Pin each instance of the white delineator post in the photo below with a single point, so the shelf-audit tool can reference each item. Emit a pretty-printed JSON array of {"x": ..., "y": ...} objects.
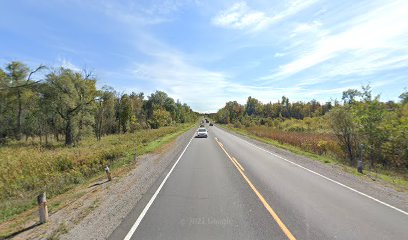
[
  {"x": 42, "y": 207},
  {"x": 108, "y": 173}
]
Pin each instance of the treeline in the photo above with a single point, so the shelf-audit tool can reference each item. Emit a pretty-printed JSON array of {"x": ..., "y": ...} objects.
[
  {"x": 361, "y": 123},
  {"x": 236, "y": 113},
  {"x": 66, "y": 105}
]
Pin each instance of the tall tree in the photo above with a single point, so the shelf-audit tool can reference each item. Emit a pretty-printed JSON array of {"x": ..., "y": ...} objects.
[
  {"x": 369, "y": 113},
  {"x": 71, "y": 94},
  {"x": 19, "y": 77},
  {"x": 251, "y": 106}
]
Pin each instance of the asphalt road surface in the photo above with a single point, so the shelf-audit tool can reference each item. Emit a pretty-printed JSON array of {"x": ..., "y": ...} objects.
[{"x": 223, "y": 187}]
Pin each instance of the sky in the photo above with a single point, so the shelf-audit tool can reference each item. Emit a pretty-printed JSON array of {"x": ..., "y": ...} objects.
[{"x": 206, "y": 53}]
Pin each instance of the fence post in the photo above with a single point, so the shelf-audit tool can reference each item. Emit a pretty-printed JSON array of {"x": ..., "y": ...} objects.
[
  {"x": 108, "y": 173},
  {"x": 42, "y": 207}
]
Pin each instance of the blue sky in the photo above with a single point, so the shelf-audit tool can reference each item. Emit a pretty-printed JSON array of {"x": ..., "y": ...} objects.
[{"x": 208, "y": 52}]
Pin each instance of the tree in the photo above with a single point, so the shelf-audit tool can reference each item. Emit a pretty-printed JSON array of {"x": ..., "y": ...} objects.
[
  {"x": 222, "y": 116},
  {"x": 155, "y": 101},
  {"x": 105, "y": 119},
  {"x": 68, "y": 103},
  {"x": 251, "y": 106},
  {"x": 4, "y": 106},
  {"x": 71, "y": 95},
  {"x": 395, "y": 149},
  {"x": 404, "y": 97},
  {"x": 160, "y": 118},
  {"x": 285, "y": 107},
  {"x": 138, "y": 116},
  {"x": 19, "y": 82},
  {"x": 369, "y": 114},
  {"x": 125, "y": 113},
  {"x": 350, "y": 95},
  {"x": 345, "y": 129}
]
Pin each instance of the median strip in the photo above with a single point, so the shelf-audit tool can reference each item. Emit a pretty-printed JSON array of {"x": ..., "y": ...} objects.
[{"x": 285, "y": 230}]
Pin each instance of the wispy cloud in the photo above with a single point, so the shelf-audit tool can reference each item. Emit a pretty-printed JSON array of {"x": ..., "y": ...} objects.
[
  {"x": 63, "y": 62},
  {"x": 184, "y": 80},
  {"x": 241, "y": 16},
  {"x": 206, "y": 53},
  {"x": 142, "y": 13},
  {"x": 306, "y": 27},
  {"x": 372, "y": 42}
]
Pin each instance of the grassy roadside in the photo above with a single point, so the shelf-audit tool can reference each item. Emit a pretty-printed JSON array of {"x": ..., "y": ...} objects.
[
  {"x": 80, "y": 165},
  {"x": 398, "y": 182}
]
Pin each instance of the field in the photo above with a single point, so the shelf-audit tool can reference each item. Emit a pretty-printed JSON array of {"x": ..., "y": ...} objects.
[
  {"x": 27, "y": 168},
  {"x": 319, "y": 143}
]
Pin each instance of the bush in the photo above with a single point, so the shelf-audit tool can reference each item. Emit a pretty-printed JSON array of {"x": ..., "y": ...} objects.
[
  {"x": 63, "y": 164},
  {"x": 296, "y": 128},
  {"x": 237, "y": 124}
]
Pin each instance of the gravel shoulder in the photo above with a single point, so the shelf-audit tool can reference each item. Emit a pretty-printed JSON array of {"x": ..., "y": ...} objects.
[
  {"x": 378, "y": 189},
  {"x": 101, "y": 206}
]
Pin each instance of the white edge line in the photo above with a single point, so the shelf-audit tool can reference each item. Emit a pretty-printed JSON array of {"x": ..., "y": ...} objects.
[
  {"x": 143, "y": 213},
  {"x": 327, "y": 178}
]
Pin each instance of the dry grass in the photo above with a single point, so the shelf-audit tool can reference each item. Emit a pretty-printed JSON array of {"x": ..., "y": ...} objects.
[
  {"x": 319, "y": 143},
  {"x": 29, "y": 168}
]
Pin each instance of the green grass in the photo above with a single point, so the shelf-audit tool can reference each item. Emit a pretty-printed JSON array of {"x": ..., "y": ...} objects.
[
  {"x": 397, "y": 181},
  {"x": 26, "y": 169}
]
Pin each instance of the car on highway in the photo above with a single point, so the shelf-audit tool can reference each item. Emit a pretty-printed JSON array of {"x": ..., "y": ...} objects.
[
  {"x": 202, "y": 133},
  {"x": 211, "y": 124}
]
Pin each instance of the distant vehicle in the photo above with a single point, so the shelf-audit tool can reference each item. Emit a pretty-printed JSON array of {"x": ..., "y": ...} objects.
[
  {"x": 211, "y": 124},
  {"x": 202, "y": 132},
  {"x": 206, "y": 120},
  {"x": 201, "y": 125}
]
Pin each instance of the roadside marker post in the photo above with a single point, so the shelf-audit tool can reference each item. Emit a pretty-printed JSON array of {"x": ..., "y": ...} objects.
[
  {"x": 360, "y": 162},
  {"x": 108, "y": 173},
  {"x": 42, "y": 207}
]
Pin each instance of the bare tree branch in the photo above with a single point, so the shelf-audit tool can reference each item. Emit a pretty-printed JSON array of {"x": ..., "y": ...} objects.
[{"x": 39, "y": 68}]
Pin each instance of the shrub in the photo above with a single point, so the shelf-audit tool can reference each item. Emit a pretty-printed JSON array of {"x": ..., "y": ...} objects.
[
  {"x": 237, "y": 124},
  {"x": 63, "y": 164}
]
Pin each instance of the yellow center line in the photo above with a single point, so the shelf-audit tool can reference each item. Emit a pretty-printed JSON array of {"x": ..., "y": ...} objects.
[
  {"x": 285, "y": 230},
  {"x": 239, "y": 165}
]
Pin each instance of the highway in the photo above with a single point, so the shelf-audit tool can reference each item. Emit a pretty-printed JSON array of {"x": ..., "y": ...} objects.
[{"x": 223, "y": 187}]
